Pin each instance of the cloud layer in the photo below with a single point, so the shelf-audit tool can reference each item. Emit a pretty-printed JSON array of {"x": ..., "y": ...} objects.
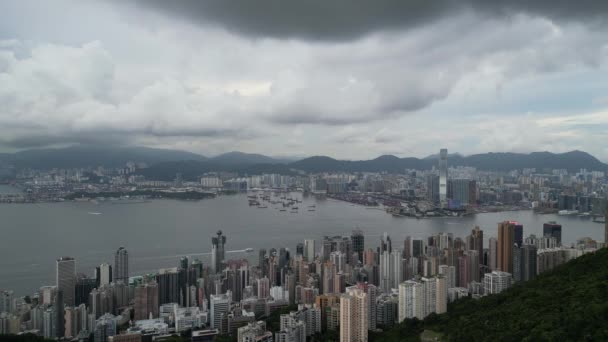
[{"x": 282, "y": 81}]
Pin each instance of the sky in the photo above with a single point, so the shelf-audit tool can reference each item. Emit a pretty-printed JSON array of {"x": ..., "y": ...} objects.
[{"x": 347, "y": 79}]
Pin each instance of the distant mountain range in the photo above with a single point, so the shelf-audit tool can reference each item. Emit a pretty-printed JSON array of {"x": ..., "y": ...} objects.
[
  {"x": 110, "y": 156},
  {"x": 571, "y": 161},
  {"x": 164, "y": 163}
]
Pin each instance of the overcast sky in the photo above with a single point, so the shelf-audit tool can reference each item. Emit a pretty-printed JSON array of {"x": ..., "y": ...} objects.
[{"x": 302, "y": 78}]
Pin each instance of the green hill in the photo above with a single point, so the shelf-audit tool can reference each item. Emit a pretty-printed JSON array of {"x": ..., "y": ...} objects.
[{"x": 569, "y": 303}]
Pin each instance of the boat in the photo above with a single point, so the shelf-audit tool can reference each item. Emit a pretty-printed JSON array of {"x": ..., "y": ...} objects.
[
  {"x": 283, "y": 210},
  {"x": 249, "y": 250},
  {"x": 294, "y": 208},
  {"x": 93, "y": 213},
  {"x": 311, "y": 209},
  {"x": 567, "y": 212}
]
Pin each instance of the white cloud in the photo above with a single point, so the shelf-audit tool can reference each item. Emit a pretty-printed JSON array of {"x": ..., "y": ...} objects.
[{"x": 168, "y": 83}]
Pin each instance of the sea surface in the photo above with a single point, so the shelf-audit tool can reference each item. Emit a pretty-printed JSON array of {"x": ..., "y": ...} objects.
[{"x": 157, "y": 233}]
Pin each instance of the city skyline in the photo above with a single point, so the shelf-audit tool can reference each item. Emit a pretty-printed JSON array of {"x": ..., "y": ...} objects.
[{"x": 349, "y": 87}]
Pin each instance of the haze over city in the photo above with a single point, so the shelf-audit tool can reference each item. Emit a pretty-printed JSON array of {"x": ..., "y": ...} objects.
[{"x": 352, "y": 81}]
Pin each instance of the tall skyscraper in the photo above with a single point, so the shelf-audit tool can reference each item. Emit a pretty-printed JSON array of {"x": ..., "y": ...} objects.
[
  {"x": 66, "y": 279},
  {"x": 552, "y": 229},
  {"x": 59, "y": 314},
  {"x": 353, "y": 315},
  {"x": 407, "y": 247},
  {"x": 218, "y": 254},
  {"x": 411, "y": 300},
  {"x": 309, "y": 250},
  {"x": 121, "y": 265},
  {"x": 358, "y": 243},
  {"x": 263, "y": 288},
  {"x": 518, "y": 233},
  {"x": 493, "y": 253},
  {"x": 524, "y": 263},
  {"x": 443, "y": 175},
  {"x": 506, "y": 239},
  {"x": 103, "y": 274},
  {"x": 475, "y": 242}
]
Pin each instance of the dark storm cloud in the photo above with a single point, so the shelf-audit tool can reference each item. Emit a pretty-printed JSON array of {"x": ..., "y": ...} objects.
[{"x": 346, "y": 19}]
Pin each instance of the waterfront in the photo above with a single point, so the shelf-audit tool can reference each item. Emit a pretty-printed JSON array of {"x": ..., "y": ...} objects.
[{"x": 157, "y": 233}]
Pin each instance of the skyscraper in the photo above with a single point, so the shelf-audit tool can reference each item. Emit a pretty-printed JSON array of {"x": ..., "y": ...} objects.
[
  {"x": 66, "y": 279},
  {"x": 309, "y": 249},
  {"x": 353, "y": 315},
  {"x": 552, "y": 229},
  {"x": 443, "y": 175},
  {"x": 358, "y": 243},
  {"x": 475, "y": 242},
  {"x": 506, "y": 239},
  {"x": 524, "y": 263},
  {"x": 218, "y": 253},
  {"x": 103, "y": 274},
  {"x": 146, "y": 301},
  {"x": 218, "y": 305},
  {"x": 121, "y": 265},
  {"x": 493, "y": 254}
]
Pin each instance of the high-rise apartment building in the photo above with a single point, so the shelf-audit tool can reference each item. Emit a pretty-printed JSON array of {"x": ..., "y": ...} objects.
[
  {"x": 263, "y": 288},
  {"x": 121, "y": 265},
  {"x": 524, "y": 263},
  {"x": 492, "y": 253},
  {"x": 219, "y": 305},
  {"x": 475, "y": 242},
  {"x": 353, "y": 315},
  {"x": 309, "y": 250},
  {"x": 66, "y": 279},
  {"x": 218, "y": 253},
  {"x": 358, "y": 243},
  {"x": 506, "y": 240},
  {"x": 146, "y": 301},
  {"x": 103, "y": 274},
  {"x": 496, "y": 282},
  {"x": 552, "y": 229}
]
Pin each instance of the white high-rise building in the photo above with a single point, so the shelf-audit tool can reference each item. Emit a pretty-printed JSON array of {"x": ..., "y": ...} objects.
[
  {"x": 411, "y": 300},
  {"x": 309, "y": 250},
  {"x": 66, "y": 279},
  {"x": 443, "y": 175},
  {"x": 449, "y": 272},
  {"x": 353, "y": 315},
  {"x": 105, "y": 274},
  {"x": 496, "y": 282},
  {"x": 219, "y": 304},
  {"x": 421, "y": 298}
]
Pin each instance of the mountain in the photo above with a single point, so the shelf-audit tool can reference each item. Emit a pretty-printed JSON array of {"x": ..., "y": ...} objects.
[
  {"x": 572, "y": 161},
  {"x": 82, "y": 156},
  {"x": 568, "y": 303},
  {"x": 240, "y": 158}
]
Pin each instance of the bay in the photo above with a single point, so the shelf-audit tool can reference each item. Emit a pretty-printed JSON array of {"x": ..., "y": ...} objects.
[{"x": 159, "y": 232}]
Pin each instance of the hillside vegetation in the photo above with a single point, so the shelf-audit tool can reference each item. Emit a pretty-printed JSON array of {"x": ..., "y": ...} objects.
[{"x": 569, "y": 303}]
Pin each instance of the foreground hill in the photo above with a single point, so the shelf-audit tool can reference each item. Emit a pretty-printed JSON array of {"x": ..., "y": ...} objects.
[{"x": 569, "y": 303}]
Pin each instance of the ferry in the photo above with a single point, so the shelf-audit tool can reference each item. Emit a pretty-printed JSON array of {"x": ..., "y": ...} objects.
[{"x": 249, "y": 250}]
